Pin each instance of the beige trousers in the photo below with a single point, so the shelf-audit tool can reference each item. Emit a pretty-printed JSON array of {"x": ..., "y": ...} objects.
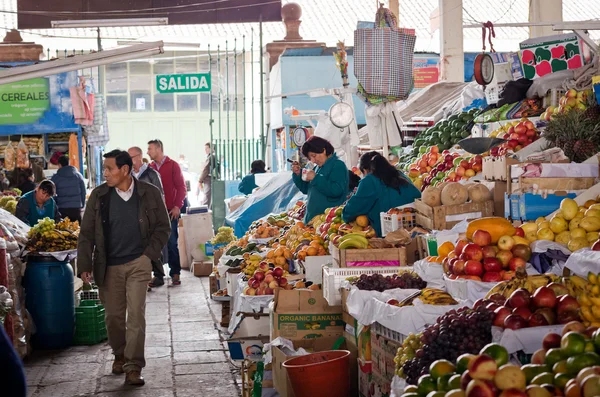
[{"x": 124, "y": 298}]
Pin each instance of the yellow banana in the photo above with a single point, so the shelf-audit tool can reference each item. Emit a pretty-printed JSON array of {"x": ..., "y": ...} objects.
[
  {"x": 593, "y": 278},
  {"x": 586, "y": 313},
  {"x": 584, "y": 300},
  {"x": 596, "y": 312},
  {"x": 595, "y": 301}
]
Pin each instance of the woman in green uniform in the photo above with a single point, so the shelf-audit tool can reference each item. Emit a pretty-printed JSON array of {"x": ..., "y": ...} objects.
[
  {"x": 383, "y": 187},
  {"x": 38, "y": 204},
  {"x": 327, "y": 183},
  {"x": 248, "y": 183}
]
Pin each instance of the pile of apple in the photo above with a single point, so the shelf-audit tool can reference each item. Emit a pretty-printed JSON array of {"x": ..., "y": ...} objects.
[
  {"x": 265, "y": 280},
  {"x": 548, "y": 305},
  {"x": 519, "y": 136},
  {"x": 572, "y": 99},
  {"x": 481, "y": 261}
]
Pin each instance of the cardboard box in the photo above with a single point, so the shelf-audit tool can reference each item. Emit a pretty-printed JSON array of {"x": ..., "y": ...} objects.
[
  {"x": 345, "y": 258},
  {"x": 383, "y": 352},
  {"x": 365, "y": 378},
  {"x": 249, "y": 337},
  {"x": 217, "y": 256},
  {"x": 213, "y": 283},
  {"x": 304, "y": 314},
  {"x": 445, "y": 217},
  {"x": 529, "y": 206},
  {"x": 498, "y": 190},
  {"x": 281, "y": 380},
  {"x": 544, "y": 55},
  {"x": 202, "y": 269}
]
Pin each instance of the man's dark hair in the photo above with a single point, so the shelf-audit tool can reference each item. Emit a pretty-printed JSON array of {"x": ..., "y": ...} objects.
[
  {"x": 317, "y": 145},
  {"x": 63, "y": 161},
  {"x": 208, "y": 144},
  {"x": 121, "y": 158},
  {"x": 157, "y": 142},
  {"x": 257, "y": 167},
  {"x": 47, "y": 186}
]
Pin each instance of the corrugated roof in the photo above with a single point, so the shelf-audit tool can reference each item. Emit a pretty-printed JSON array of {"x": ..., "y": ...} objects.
[{"x": 327, "y": 21}]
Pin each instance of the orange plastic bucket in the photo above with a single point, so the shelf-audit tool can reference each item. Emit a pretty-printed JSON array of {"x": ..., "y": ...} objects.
[{"x": 322, "y": 374}]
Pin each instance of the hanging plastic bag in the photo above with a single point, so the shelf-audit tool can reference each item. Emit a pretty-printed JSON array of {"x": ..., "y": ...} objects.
[
  {"x": 22, "y": 155},
  {"x": 9, "y": 157}
]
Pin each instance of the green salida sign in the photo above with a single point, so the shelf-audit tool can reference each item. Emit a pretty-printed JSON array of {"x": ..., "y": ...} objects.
[
  {"x": 24, "y": 102},
  {"x": 174, "y": 83}
]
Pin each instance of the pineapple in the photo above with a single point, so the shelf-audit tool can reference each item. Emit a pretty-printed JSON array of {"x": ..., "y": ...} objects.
[
  {"x": 583, "y": 150},
  {"x": 576, "y": 132}
]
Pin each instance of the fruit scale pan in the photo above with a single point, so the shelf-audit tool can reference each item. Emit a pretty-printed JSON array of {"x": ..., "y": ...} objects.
[{"x": 480, "y": 145}]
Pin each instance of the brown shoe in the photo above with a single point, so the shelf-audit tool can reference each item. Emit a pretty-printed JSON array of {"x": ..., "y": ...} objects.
[
  {"x": 176, "y": 279},
  {"x": 117, "y": 367},
  {"x": 134, "y": 378}
]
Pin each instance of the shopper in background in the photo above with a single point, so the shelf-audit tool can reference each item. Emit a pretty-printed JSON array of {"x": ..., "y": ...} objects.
[
  {"x": 383, "y": 187},
  {"x": 205, "y": 180},
  {"x": 25, "y": 181},
  {"x": 326, "y": 184},
  {"x": 248, "y": 183},
  {"x": 149, "y": 175},
  {"x": 12, "y": 373},
  {"x": 70, "y": 190},
  {"x": 124, "y": 228},
  {"x": 38, "y": 204},
  {"x": 174, "y": 192}
]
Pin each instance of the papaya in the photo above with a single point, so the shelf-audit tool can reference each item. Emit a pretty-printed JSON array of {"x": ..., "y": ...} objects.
[{"x": 496, "y": 226}]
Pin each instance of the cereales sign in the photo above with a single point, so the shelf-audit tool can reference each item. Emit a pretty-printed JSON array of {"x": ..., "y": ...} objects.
[{"x": 173, "y": 83}]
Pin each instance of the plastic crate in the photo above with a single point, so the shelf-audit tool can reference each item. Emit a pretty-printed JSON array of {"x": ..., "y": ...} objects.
[
  {"x": 333, "y": 278},
  {"x": 91, "y": 337},
  {"x": 553, "y": 97},
  {"x": 393, "y": 222},
  {"x": 90, "y": 327},
  {"x": 92, "y": 295}
]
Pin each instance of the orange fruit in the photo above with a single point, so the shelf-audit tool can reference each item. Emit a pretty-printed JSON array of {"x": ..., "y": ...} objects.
[
  {"x": 300, "y": 225},
  {"x": 279, "y": 252},
  {"x": 312, "y": 251},
  {"x": 287, "y": 254},
  {"x": 362, "y": 221},
  {"x": 445, "y": 249},
  {"x": 280, "y": 261},
  {"x": 301, "y": 255},
  {"x": 270, "y": 254}
]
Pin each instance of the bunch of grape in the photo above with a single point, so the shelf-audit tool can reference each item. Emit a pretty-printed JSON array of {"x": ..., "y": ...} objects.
[
  {"x": 224, "y": 235},
  {"x": 43, "y": 227},
  {"x": 407, "y": 351},
  {"x": 457, "y": 332},
  {"x": 378, "y": 282}
]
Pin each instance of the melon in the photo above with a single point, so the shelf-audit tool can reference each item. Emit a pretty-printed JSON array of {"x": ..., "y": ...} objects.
[
  {"x": 479, "y": 193},
  {"x": 454, "y": 194},
  {"x": 432, "y": 196},
  {"x": 441, "y": 185}
]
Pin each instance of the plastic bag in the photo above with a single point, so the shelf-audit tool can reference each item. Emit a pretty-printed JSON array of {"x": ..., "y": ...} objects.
[
  {"x": 9, "y": 157},
  {"x": 22, "y": 155}
]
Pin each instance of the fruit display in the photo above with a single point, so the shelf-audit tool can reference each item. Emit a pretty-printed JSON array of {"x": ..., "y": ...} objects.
[
  {"x": 519, "y": 135},
  {"x": 8, "y": 203},
  {"x": 523, "y": 309},
  {"x": 279, "y": 256},
  {"x": 531, "y": 283},
  {"x": 238, "y": 251},
  {"x": 265, "y": 280},
  {"x": 411, "y": 344},
  {"x": 49, "y": 236},
  {"x": 298, "y": 211},
  {"x": 280, "y": 220},
  {"x": 263, "y": 230},
  {"x": 574, "y": 226},
  {"x": 224, "y": 236},
  {"x": 250, "y": 263},
  {"x": 572, "y": 99},
  {"x": 445, "y": 133},
  {"x": 455, "y": 333},
  {"x": 589, "y": 300},
  {"x": 429, "y": 296},
  {"x": 379, "y": 282}
]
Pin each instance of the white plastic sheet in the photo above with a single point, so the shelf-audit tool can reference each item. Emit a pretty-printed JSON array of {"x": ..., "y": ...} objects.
[
  {"x": 467, "y": 290},
  {"x": 526, "y": 339},
  {"x": 397, "y": 386},
  {"x": 583, "y": 261},
  {"x": 58, "y": 255},
  {"x": 432, "y": 273},
  {"x": 359, "y": 300},
  {"x": 246, "y": 303},
  {"x": 545, "y": 245},
  {"x": 286, "y": 346}
]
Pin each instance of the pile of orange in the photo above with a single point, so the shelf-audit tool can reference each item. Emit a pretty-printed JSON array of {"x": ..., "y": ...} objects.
[
  {"x": 434, "y": 259},
  {"x": 264, "y": 230},
  {"x": 278, "y": 256},
  {"x": 314, "y": 248}
]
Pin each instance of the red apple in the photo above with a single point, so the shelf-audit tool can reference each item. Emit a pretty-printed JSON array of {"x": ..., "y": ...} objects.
[
  {"x": 460, "y": 245},
  {"x": 531, "y": 134},
  {"x": 473, "y": 268},
  {"x": 559, "y": 289},
  {"x": 513, "y": 143},
  {"x": 504, "y": 257},
  {"x": 548, "y": 315},
  {"x": 522, "y": 251},
  {"x": 539, "y": 357},
  {"x": 277, "y": 272},
  {"x": 492, "y": 306},
  {"x": 497, "y": 298},
  {"x": 473, "y": 251},
  {"x": 464, "y": 164},
  {"x": 459, "y": 267},
  {"x": 519, "y": 297},
  {"x": 522, "y": 139},
  {"x": 523, "y": 311},
  {"x": 508, "y": 275},
  {"x": 500, "y": 315},
  {"x": 529, "y": 125},
  {"x": 519, "y": 232},
  {"x": 490, "y": 251},
  {"x": 544, "y": 297},
  {"x": 492, "y": 265},
  {"x": 575, "y": 326},
  {"x": 491, "y": 277},
  {"x": 596, "y": 246},
  {"x": 481, "y": 302},
  {"x": 482, "y": 238},
  {"x": 568, "y": 316},
  {"x": 480, "y": 388},
  {"x": 514, "y": 322},
  {"x": 551, "y": 341},
  {"x": 520, "y": 128},
  {"x": 589, "y": 331},
  {"x": 393, "y": 302},
  {"x": 516, "y": 262},
  {"x": 465, "y": 379},
  {"x": 566, "y": 303},
  {"x": 537, "y": 320}
]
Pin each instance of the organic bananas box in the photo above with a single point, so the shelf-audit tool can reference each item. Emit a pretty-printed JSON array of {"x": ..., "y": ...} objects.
[{"x": 304, "y": 314}]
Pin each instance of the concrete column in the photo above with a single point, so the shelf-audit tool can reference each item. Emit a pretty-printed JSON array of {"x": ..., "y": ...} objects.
[
  {"x": 452, "y": 62},
  {"x": 544, "y": 11}
]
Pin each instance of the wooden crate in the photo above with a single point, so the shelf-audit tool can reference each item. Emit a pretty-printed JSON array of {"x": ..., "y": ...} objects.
[
  {"x": 445, "y": 217},
  {"x": 342, "y": 257},
  {"x": 555, "y": 184}
]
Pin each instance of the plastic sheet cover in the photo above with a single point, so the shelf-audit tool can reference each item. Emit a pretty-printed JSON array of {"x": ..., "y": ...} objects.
[
  {"x": 583, "y": 261},
  {"x": 526, "y": 339},
  {"x": 278, "y": 195}
]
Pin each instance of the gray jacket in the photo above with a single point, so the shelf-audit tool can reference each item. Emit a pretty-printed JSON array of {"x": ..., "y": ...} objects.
[{"x": 151, "y": 176}]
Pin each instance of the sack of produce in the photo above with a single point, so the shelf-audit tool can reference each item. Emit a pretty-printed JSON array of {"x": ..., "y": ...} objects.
[
  {"x": 22, "y": 155},
  {"x": 9, "y": 157}
]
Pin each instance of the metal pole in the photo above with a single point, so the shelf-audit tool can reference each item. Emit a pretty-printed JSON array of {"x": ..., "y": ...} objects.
[
  {"x": 235, "y": 104},
  {"x": 246, "y": 160},
  {"x": 210, "y": 123},
  {"x": 219, "y": 98},
  {"x": 252, "y": 78},
  {"x": 262, "y": 91},
  {"x": 228, "y": 104}
]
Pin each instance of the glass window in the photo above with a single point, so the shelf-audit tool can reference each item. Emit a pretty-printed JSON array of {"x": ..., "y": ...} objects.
[
  {"x": 164, "y": 102},
  {"x": 186, "y": 103},
  {"x": 203, "y": 66},
  {"x": 139, "y": 67},
  {"x": 164, "y": 67},
  {"x": 116, "y": 78},
  {"x": 186, "y": 65},
  {"x": 140, "y": 83},
  {"x": 140, "y": 101},
  {"x": 215, "y": 102},
  {"x": 205, "y": 101},
  {"x": 116, "y": 103}
]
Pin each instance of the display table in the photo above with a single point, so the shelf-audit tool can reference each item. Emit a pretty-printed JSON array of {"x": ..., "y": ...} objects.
[{"x": 245, "y": 303}]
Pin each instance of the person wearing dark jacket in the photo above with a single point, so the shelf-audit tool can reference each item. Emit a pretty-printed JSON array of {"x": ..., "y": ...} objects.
[
  {"x": 149, "y": 175},
  {"x": 124, "y": 228},
  {"x": 25, "y": 181},
  {"x": 38, "y": 204},
  {"x": 12, "y": 374},
  {"x": 70, "y": 190},
  {"x": 248, "y": 183}
]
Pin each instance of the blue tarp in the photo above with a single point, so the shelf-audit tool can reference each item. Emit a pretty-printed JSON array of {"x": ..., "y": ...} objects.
[{"x": 278, "y": 195}]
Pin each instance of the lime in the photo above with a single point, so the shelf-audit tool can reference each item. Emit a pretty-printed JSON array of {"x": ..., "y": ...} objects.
[
  {"x": 441, "y": 367},
  {"x": 531, "y": 370},
  {"x": 411, "y": 389},
  {"x": 553, "y": 356},
  {"x": 454, "y": 382},
  {"x": 437, "y": 394},
  {"x": 577, "y": 363},
  {"x": 560, "y": 380},
  {"x": 462, "y": 362},
  {"x": 543, "y": 378},
  {"x": 497, "y": 352},
  {"x": 560, "y": 367},
  {"x": 572, "y": 343},
  {"x": 426, "y": 385}
]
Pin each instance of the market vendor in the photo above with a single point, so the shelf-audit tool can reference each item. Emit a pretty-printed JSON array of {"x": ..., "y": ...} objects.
[
  {"x": 38, "y": 204},
  {"x": 327, "y": 183},
  {"x": 248, "y": 183},
  {"x": 383, "y": 187}
]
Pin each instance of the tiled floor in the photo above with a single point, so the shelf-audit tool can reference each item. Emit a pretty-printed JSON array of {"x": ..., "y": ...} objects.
[{"x": 184, "y": 353}]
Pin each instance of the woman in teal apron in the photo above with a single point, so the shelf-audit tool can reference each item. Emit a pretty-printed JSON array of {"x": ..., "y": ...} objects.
[{"x": 38, "y": 204}]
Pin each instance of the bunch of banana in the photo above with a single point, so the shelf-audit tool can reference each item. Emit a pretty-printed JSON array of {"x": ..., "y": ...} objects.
[
  {"x": 522, "y": 280},
  {"x": 250, "y": 264},
  {"x": 535, "y": 281},
  {"x": 433, "y": 296},
  {"x": 589, "y": 300},
  {"x": 353, "y": 240},
  {"x": 576, "y": 285}
]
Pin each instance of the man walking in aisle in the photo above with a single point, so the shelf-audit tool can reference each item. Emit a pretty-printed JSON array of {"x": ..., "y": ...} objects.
[
  {"x": 124, "y": 228},
  {"x": 70, "y": 190},
  {"x": 148, "y": 174},
  {"x": 205, "y": 180},
  {"x": 175, "y": 192}
]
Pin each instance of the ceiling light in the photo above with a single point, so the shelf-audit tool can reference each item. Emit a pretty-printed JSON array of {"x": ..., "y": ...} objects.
[
  {"x": 100, "y": 23},
  {"x": 185, "y": 45},
  {"x": 78, "y": 62}
]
